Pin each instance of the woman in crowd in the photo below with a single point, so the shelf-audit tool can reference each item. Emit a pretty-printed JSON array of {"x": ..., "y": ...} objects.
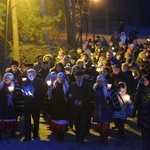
[
  {"x": 142, "y": 104},
  {"x": 125, "y": 102},
  {"x": 59, "y": 109},
  {"x": 8, "y": 114},
  {"x": 103, "y": 113}
]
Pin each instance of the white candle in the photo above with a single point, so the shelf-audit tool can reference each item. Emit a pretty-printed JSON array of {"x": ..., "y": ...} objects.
[
  {"x": 49, "y": 82},
  {"x": 24, "y": 79},
  {"x": 10, "y": 88},
  {"x": 114, "y": 53},
  {"x": 127, "y": 97},
  {"x": 98, "y": 69},
  {"x": 133, "y": 73},
  {"x": 109, "y": 86}
]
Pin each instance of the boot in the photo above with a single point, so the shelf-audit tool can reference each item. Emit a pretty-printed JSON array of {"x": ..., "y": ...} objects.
[
  {"x": 60, "y": 137},
  {"x": 12, "y": 133},
  {"x": 105, "y": 138}
]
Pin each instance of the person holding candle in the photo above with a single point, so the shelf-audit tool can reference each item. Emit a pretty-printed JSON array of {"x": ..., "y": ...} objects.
[
  {"x": 103, "y": 112},
  {"x": 8, "y": 114},
  {"x": 142, "y": 105},
  {"x": 124, "y": 100},
  {"x": 33, "y": 90}
]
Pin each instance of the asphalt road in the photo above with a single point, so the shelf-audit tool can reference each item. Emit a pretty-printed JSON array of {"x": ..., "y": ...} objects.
[{"x": 47, "y": 141}]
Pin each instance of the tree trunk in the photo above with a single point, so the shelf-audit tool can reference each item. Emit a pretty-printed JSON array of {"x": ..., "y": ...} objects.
[
  {"x": 13, "y": 4},
  {"x": 44, "y": 14},
  {"x": 68, "y": 22},
  {"x": 73, "y": 24}
]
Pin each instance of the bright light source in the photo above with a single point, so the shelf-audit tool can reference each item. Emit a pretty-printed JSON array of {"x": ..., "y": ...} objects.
[{"x": 95, "y": 0}]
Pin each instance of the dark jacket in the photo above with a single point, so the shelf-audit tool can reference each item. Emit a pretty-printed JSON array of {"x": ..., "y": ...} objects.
[
  {"x": 142, "y": 104},
  {"x": 38, "y": 89},
  {"x": 7, "y": 108},
  {"x": 83, "y": 93},
  {"x": 102, "y": 108},
  {"x": 60, "y": 107}
]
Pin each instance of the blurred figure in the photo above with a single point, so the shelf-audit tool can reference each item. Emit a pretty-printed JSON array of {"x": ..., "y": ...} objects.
[
  {"x": 8, "y": 114},
  {"x": 142, "y": 105},
  {"x": 103, "y": 113},
  {"x": 124, "y": 101},
  {"x": 33, "y": 90},
  {"x": 59, "y": 109},
  {"x": 133, "y": 35},
  {"x": 14, "y": 69},
  {"x": 121, "y": 27},
  {"x": 123, "y": 38},
  {"x": 80, "y": 93},
  {"x": 38, "y": 64},
  {"x": 50, "y": 59},
  {"x": 115, "y": 39}
]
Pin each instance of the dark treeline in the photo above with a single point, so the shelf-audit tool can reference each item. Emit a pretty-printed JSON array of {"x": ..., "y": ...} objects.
[{"x": 133, "y": 12}]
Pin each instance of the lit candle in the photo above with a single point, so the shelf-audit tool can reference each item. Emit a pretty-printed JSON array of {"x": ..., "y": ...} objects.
[
  {"x": 98, "y": 69},
  {"x": 49, "y": 82},
  {"x": 133, "y": 74},
  {"x": 10, "y": 88},
  {"x": 114, "y": 53},
  {"x": 127, "y": 97},
  {"x": 24, "y": 79},
  {"x": 109, "y": 86}
]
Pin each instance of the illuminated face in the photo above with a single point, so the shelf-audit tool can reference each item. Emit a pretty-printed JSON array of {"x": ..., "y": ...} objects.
[
  {"x": 145, "y": 81},
  {"x": 60, "y": 79},
  {"x": 116, "y": 70},
  {"x": 79, "y": 79},
  {"x": 118, "y": 57},
  {"x": 40, "y": 59},
  {"x": 100, "y": 83},
  {"x": 31, "y": 76},
  {"x": 121, "y": 90},
  {"x": 58, "y": 68},
  {"x": 80, "y": 64},
  {"x": 109, "y": 55},
  {"x": 104, "y": 72},
  {"x": 44, "y": 66},
  {"x": 124, "y": 68},
  {"x": 7, "y": 80},
  {"x": 14, "y": 68}
]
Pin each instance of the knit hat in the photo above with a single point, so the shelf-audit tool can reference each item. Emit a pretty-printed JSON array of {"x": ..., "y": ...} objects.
[
  {"x": 100, "y": 78},
  {"x": 9, "y": 75},
  {"x": 60, "y": 74}
]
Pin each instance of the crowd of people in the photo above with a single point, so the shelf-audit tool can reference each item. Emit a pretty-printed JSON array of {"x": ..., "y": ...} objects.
[{"x": 105, "y": 81}]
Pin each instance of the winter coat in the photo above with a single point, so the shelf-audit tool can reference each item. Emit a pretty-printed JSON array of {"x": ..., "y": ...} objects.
[
  {"x": 38, "y": 89},
  {"x": 103, "y": 107},
  {"x": 122, "y": 114},
  {"x": 7, "y": 107},
  {"x": 83, "y": 93},
  {"x": 59, "y": 105},
  {"x": 142, "y": 104}
]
